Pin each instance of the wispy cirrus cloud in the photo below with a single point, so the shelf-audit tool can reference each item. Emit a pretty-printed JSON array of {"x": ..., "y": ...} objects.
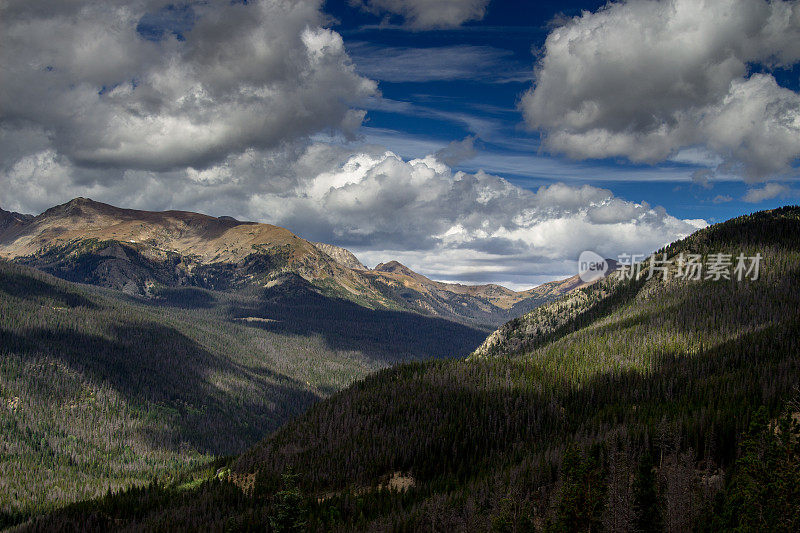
[
  {"x": 513, "y": 157},
  {"x": 479, "y": 124},
  {"x": 443, "y": 63},
  {"x": 426, "y": 14}
]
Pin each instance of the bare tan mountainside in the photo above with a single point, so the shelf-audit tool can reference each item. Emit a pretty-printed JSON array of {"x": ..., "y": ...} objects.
[{"x": 141, "y": 252}]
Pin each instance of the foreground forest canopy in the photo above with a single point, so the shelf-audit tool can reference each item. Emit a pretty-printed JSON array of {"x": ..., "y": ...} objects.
[{"x": 631, "y": 405}]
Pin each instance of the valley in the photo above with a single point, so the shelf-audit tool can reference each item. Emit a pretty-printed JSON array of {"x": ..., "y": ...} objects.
[
  {"x": 635, "y": 402},
  {"x": 101, "y": 390}
]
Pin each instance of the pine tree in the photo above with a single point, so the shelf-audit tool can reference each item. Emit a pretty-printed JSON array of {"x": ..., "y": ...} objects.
[
  {"x": 290, "y": 512},
  {"x": 764, "y": 493},
  {"x": 583, "y": 491}
]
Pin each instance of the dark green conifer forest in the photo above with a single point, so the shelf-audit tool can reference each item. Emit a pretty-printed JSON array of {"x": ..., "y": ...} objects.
[
  {"x": 630, "y": 405},
  {"x": 102, "y": 391}
]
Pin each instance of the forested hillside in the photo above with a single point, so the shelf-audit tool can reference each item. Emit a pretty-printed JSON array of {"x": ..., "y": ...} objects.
[
  {"x": 100, "y": 391},
  {"x": 638, "y": 404}
]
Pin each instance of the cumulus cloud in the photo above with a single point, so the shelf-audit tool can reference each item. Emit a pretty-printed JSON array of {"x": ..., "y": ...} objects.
[
  {"x": 457, "y": 151},
  {"x": 472, "y": 227},
  {"x": 427, "y": 14},
  {"x": 146, "y": 85},
  {"x": 644, "y": 80},
  {"x": 767, "y": 192},
  {"x": 466, "y": 226}
]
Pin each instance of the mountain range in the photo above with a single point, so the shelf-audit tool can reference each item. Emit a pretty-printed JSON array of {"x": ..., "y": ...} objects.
[
  {"x": 141, "y": 252},
  {"x": 222, "y": 375},
  {"x": 173, "y": 338},
  {"x": 638, "y": 403}
]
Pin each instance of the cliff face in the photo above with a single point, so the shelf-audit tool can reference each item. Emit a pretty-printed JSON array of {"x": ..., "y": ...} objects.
[{"x": 341, "y": 255}]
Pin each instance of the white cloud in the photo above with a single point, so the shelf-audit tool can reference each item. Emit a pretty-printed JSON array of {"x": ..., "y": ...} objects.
[
  {"x": 449, "y": 225},
  {"x": 457, "y": 225},
  {"x": 767, "y": 192},
  {"x": 457, "y": 151},
  {"x": 108, "y": 90},
  {"x": 646, "y": 80},
  {"x": 427, "y": 14}
]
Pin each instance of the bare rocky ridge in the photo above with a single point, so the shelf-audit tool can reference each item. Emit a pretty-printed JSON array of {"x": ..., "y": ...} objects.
[
  {"x": 341, "y": 255},
  {"x": 516, "y": 335},
  {"x": 140, "y": 251}
]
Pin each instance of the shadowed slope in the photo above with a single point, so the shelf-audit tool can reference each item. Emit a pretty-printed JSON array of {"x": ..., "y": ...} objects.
[{"x": 99, "y": 390}]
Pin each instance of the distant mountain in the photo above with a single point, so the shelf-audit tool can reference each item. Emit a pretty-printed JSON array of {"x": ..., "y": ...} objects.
[
  {"x": 474, "y": 301},
  {"x": 139, "y": 252},
  {"x": 628, "y": 405}
]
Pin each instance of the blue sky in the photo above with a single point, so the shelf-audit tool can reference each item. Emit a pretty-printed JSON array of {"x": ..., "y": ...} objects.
[
  {"x": 473, "y": 140},
  {"x": 467, "y": 81}
]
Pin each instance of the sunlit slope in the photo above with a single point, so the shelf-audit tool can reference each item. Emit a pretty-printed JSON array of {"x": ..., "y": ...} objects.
[
  {"x": 139, "y": 252},
  {"x": 621, "y": 324}
]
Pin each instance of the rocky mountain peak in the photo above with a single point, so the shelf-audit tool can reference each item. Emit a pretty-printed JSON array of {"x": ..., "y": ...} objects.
[{"x": 394, "y": 267}]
